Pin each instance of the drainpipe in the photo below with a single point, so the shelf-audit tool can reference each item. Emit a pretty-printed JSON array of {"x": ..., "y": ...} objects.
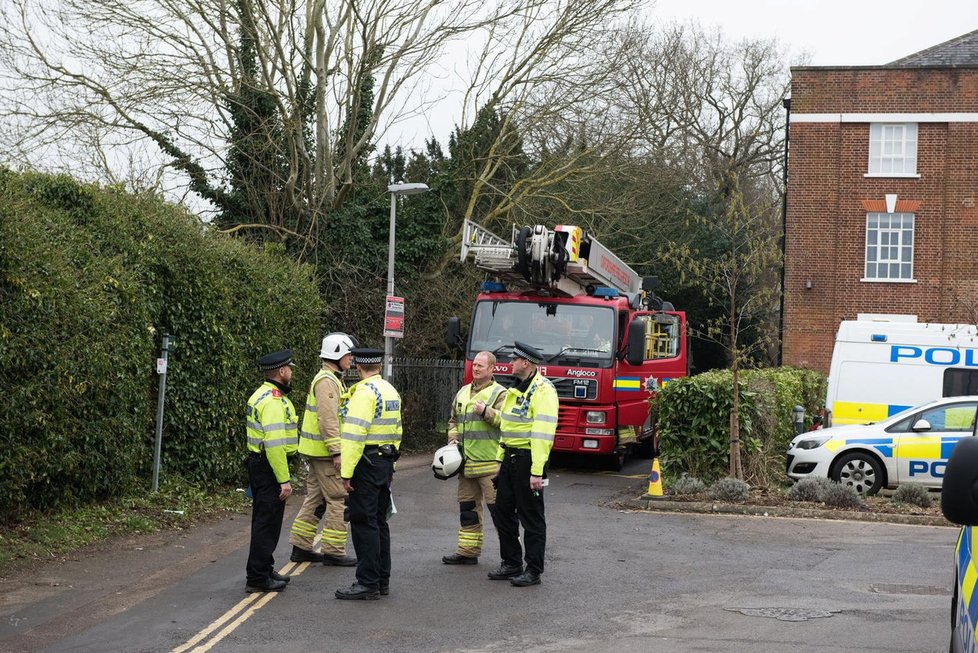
[{"x": 784, "y": 226}]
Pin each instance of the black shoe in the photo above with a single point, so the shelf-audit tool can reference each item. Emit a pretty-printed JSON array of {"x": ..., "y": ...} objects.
[
  {"x": 301, "y": 555},
  {"x": 525, "y": 579},
  {"x": 270, "y": 585},
  {"x": 338, "y": 561},
  {"x": 505, "y": 572},
  {"x": 385, "y": 589},
  {"x": 456, "y": 559},
  {"x": 357, "y": 592},
  {"x": 282, "y": 577}
]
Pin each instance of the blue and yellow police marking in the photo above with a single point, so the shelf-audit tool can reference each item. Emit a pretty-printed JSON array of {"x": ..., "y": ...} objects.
[
  {"x": 206, "y": 639},
  {"x": 883, "y": 445},
  {"x": 851, "y": 412}
]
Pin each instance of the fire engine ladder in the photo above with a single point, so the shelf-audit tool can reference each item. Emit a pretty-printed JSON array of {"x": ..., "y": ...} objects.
[{"x": 543, "y": 265}]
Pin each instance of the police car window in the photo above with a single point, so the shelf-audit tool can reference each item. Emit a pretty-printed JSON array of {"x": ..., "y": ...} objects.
[
  {"x": 956, "y": 417},
  {"x": 903, "y": 426},
  {"x": 958, "y": 383}
]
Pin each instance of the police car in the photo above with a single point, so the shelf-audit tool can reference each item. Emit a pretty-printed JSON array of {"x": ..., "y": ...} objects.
[
  {"x": 911, "y": 446},
  {"x": 958, "y": 502}
]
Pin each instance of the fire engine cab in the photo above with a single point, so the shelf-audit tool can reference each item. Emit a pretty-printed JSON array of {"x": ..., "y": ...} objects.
[{"x": 609, "y": 343}]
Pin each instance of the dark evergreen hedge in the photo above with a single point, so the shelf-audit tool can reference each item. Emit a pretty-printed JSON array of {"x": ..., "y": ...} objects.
[
  {"x": 694, "y": 421},
  {"x": 90, "y": 280}
]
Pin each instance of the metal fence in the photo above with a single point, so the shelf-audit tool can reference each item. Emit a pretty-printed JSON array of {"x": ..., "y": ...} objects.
[{"x": 427, "y": 387}]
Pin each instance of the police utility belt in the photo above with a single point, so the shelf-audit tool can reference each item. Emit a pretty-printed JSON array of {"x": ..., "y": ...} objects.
[
  {"x": 382, "y": 450},
  {"x": 515, "y": 451}
]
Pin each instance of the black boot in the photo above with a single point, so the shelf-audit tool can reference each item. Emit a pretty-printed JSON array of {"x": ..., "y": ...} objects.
[
  {"x": 357, "y": 592},
  {"x": 301, "y": 555}
]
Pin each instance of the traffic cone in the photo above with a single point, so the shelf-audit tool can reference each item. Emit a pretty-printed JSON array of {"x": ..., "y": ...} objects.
[{"x": 655, "y": 481}]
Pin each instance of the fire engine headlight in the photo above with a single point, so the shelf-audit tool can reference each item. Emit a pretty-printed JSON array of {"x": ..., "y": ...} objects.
[
  {"x": 812, "y": 443},
  {"x": 595, "y": 417}
]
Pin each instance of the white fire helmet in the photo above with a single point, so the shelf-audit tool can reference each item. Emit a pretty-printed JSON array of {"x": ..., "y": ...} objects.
[
  {"x": 447, "y": 462},
  {"x": 336, "y": 345}
]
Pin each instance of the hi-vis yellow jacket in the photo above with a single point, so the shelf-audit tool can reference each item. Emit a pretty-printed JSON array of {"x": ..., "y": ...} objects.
[
  {"x": 311, "y": 442},
  {"x": 371, "y": 416},
  {"x": 479, "y": 434},
  {"x": 272, "y": 425},
  {"x": 529, "y": 421}
]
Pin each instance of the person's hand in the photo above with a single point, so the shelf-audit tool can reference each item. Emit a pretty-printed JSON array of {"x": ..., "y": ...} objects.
[
  {"x": 480, "y": 407},
  {"x": 285, "y": 491},
  {"x": 536, "y": 483},
  {"x": 348, "y": 485},
  {"x": 499, "y": 466},
  {"x": 453, "y": 441},
  {"x": 337, "y": 462}
]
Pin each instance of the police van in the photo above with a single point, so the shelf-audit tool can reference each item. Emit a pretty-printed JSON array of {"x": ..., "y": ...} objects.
[{"x": 885, "y": 364}]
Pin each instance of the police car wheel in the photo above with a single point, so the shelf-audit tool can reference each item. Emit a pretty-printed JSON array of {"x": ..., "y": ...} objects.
[{"x": 861, "y": 471}]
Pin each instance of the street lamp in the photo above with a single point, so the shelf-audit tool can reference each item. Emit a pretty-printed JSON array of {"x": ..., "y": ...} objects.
[{"x": 395, "y": 190}]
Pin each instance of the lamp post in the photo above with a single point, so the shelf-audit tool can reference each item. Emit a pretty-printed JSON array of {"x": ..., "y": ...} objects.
[{"x": 395, "y": 190}]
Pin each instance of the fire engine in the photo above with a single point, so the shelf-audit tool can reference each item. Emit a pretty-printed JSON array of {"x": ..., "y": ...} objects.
[{"x": 609, "y": 342}]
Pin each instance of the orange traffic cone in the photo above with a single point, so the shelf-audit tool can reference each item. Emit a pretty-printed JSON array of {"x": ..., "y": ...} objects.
[{"x": 655, "y": 481}]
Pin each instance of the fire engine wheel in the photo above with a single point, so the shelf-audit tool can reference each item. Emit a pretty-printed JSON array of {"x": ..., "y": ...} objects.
[
  {"x": 861, "y": 471},
  {"x": 616, "y": 461}
]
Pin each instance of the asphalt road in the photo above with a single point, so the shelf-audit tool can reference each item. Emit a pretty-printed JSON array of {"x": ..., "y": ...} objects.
[{"x": 615, "y": 581}]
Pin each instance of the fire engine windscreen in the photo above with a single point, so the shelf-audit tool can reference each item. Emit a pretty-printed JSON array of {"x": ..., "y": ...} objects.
[{"x": 566, "y": 334}]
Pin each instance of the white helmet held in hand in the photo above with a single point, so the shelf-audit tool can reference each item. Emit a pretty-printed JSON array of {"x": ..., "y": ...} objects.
[
  {"x": 336, "y": 345},
  {"x": 447, "y": 462}
]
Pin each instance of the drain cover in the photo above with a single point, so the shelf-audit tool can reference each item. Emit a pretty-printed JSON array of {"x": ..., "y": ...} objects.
[{"x": 783, "y": 614}]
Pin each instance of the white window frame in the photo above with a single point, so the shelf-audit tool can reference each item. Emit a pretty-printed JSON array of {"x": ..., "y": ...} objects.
[
  {"x": 883, "y": 242},
  {"x": 893, "y": 150}
]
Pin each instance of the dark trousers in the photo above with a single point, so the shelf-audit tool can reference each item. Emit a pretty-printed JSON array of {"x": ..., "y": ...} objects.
[
  {"x": 516, "y": 504},
  {"x": 266, "y": 518},
  {"x": 369, "y": 503}
]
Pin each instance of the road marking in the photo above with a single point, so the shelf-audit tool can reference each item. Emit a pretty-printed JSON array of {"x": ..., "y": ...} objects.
[
  {"x": 622, "y": 475},
  {"x": 258, "y": 599}
]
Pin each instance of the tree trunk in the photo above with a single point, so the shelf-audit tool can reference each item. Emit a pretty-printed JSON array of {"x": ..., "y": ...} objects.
[{"x": 736, "y": 468}]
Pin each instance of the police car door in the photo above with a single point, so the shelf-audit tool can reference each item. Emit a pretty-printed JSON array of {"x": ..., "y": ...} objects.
[{"x": 925, "y": 444}]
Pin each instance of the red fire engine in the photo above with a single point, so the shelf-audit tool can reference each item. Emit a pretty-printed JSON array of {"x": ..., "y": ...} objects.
[{"x": 609, "y": 342}]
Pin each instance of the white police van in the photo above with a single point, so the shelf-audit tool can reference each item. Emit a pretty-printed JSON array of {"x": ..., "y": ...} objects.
[{"x": 885, "y": 364}]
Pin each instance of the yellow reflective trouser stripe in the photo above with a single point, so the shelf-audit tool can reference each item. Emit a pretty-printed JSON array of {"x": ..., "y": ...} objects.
[
  {"x": 336, "y": 538},
  {"x": 469, "y": 539},
  {"x": 303, "y": 529}
]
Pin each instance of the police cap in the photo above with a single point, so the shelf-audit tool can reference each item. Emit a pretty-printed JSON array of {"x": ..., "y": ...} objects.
[
  {"x": 275, "y": 360},
  {"x": 526, "y": 352},
  {"x": 367, "y": 356}
]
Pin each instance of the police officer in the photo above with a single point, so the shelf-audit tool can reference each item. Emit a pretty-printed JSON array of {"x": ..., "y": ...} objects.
[
  {"x": 475, "y": 421},
  {"x": 369, "y": 441},
  {"x": 271, "y": 424},
  {"x": 528, "y": 422},
  {"x": 319, "y": 442}
]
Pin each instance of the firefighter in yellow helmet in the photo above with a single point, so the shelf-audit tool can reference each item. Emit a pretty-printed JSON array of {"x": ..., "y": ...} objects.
[
  {"x": 528, "y": 423},
  {"x": 319, "y": 443},
  {"x": 475, "y": 423},
  {"x": 370, "y": 440},
  {"x": 271, "y": 424}
]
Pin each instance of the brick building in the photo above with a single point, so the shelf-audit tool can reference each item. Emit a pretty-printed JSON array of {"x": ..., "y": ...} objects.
[{"x": 882, "y": 184}]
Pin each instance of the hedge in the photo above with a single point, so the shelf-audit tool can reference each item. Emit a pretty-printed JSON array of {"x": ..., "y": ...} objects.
[
  {"x": 693, "y": 418},
  {"x": 90, "y": 280}
]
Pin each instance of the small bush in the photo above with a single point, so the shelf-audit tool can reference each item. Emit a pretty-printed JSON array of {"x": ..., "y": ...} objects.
[
  {"x": 687, "y": 485},
  {"x": 916, "y": 495},
  {"x": 841, "y": 496},
  {"x": 730, "y": 489},
  {"x": 812, "y": 488}
]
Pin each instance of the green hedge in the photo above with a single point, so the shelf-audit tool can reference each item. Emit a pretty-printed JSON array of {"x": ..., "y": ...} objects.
[
  {"x": 693, "y": 417},
  {"x": 90, "y": 280}
]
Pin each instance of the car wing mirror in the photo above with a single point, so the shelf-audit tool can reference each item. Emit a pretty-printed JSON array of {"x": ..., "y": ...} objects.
[
  {"x": 921, "y": 425},
  {"x": 959, "y": 491}
]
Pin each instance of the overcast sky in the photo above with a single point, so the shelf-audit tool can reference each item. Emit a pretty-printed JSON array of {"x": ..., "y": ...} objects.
[{"x": 834, "y": 32}]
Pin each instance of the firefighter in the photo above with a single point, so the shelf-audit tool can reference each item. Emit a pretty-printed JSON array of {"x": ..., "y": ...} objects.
[
  {"x": 475, "y": 422},
  {"x": 319, "y": 442},
  {"x": 528, "y": 422},
  {"x": 271, "y": 424},
  {"x": 369, "y": 441}
]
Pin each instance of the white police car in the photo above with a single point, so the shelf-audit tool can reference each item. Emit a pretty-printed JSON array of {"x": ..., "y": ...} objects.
[
  {"x": 959, "y": 505},
  {"x": 909, "y": 447}
]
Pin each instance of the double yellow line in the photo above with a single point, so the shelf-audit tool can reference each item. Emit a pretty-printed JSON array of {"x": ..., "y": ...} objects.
[{"x": 230, "y": 620}]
